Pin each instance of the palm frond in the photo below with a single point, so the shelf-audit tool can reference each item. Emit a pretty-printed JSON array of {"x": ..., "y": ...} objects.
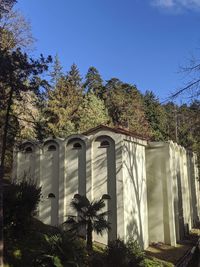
[
  {"x": 80, "y": 204},
  {"x": 97, "y": 205},
  {"x": 100, "y": 226},
  {"x": 103, "y": 214}
]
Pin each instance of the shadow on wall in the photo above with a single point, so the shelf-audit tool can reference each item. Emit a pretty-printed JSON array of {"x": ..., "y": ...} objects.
[
  {"x": 135, "y": 221},
  {"x": 104, "y": 178},
  {"x": 180, "y": 207},
  {"x": 76, "y": 164},
  {"x": 132, "y": 229},
  {"x": 75, "y": 172},
  {"x": 50, "y": 181}
]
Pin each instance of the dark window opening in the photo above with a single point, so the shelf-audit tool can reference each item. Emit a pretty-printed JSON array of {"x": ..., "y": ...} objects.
[
  {"x": 51, "y": 148},
  {"x": 28, "y": 149},
  {"x": 51, "y": 195},
  {"x": 104, "y": 143},
  {"x": 77, "y": 146}
]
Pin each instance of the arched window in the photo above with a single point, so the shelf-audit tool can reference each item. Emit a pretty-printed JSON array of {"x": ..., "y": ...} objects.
[
  {"x": 28, "y": 149},
  {"x": 51, "y": 195},
  {"x": 104, "y": 143},
  {"x": 52, "y": 148},
  {"x": 77, "y": 146}
]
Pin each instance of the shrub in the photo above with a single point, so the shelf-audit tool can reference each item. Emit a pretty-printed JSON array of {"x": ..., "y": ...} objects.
[
  {"x": 119, "y": 254},
  {"x": 62, "y": 249},
  {"x": 20, "y": 204}
]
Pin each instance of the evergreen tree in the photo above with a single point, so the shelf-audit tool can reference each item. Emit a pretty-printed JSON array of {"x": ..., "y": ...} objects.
[
  {"x": 18, "y": 74},
  {"x": 56, "y": 72},
  {"x": 94, "y": 82},
  {"x": 26, "y": 112},
  {"x": 171, "y": 110},
  {"x": 125, "y": 106},
  {"x": 92, "y": 112},
  {"x": 62, "y": 107},
  {"x": 156, "y": 116},
  {"x": 74, "y": 77}
]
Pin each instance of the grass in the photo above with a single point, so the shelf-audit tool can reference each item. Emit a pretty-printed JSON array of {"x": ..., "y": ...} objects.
[
  {"x": 25, "y": 250},
  {"x": 43, "y": 245}
]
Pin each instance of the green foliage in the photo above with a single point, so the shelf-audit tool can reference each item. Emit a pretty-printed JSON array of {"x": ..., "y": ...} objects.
[
  {"x": 61, "y": 249},
  {"x": 20, "y": 204},
  {"x": 56, "y": 72},
  {"x": 94, "y": 82},
  {"x": 90, "y": 216},
  {"x": 91, "y": 112},
  {"x": 125, "y": 106},
  {"x": 74, "y": 77},
  {"x": 119, "y": 254},
  {"x": 44, "y": 246},
  {"x": 171, "y": 111},
  {"x": 156, "y": 116},
  {"x": 62, "y": 106},
  {"x": 19, "y": 75},
  {"x": 156, "y": 263}
]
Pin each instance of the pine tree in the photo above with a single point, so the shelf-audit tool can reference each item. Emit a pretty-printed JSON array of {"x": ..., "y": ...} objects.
[
  {"x": 172, "y": 121},
  {"x": 92, "y": 112},
  {"x": 125, "y": 106},
  {"x": 74, "y": 77},
  {"x": 156, "y": 116},
  {"x": 62, "y": 107},
  {"x": 56, "y": 72},
  {"x": 94, "y": 82}
]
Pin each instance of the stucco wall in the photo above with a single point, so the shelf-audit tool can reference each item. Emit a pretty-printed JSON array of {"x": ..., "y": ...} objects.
[
  {"x": 81, "y": 164},
  {"x": 75, "y": 172},
  {"x": 49, "y": 181},
  {"x": 170, "y": 183},
  {"x": 104, "y": 180},
  {"x": 134, "y": 191},
  {"x": 25, "y": 161},
  {"x": 155, "y": 168}
]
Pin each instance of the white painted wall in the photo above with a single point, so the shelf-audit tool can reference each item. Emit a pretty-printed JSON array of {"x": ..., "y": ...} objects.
[
  {"x": 49, "y": 181},
  {"x": 120, "y": 170},
  {"x": 26, "y": 162},
  {"x": 170, "y": 183},
  {"x": 135, "y": 194},
  {"x": 104, "y": 181},
  {"x": 75, "y": 172}
]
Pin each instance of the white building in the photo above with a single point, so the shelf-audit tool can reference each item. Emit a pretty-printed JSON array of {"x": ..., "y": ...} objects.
[
  {"x": 172, "y": 197},
  {"x": 113, "y": 161}
]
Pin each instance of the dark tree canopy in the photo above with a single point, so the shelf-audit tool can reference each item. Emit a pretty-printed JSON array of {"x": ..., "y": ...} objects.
[
  {"x": 6, "y": 6},
  {"x": 93, "y": 82}
]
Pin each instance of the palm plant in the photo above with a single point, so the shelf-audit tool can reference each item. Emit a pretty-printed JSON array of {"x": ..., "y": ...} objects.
[{"x": 90, "y": 217}]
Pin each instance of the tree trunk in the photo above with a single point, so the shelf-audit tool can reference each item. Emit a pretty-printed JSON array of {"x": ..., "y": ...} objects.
[
  {"x": 89, "y": 237},
  {"x": 2, "y": 163}
]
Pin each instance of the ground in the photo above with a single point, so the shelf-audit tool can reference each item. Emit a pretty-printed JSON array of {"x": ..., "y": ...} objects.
[{"x": 173, "y": 255}]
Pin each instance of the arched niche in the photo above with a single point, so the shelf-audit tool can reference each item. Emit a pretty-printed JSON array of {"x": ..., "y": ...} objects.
[
  {"x": 26, "y": 161},
  {"x": 50, "y": 146},
  {"x": 75, "y": 169},
  {"x": 27, "y": 147},
  {"x": 104, "y": 179},
  {"x": 50, "y": 182}
]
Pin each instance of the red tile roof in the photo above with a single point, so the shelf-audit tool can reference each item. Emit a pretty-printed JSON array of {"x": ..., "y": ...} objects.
[{"x": 118, "y": 129}]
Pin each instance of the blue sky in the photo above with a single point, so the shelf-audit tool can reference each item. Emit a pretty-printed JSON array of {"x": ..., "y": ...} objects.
[{"x": 143, "y": 42}]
